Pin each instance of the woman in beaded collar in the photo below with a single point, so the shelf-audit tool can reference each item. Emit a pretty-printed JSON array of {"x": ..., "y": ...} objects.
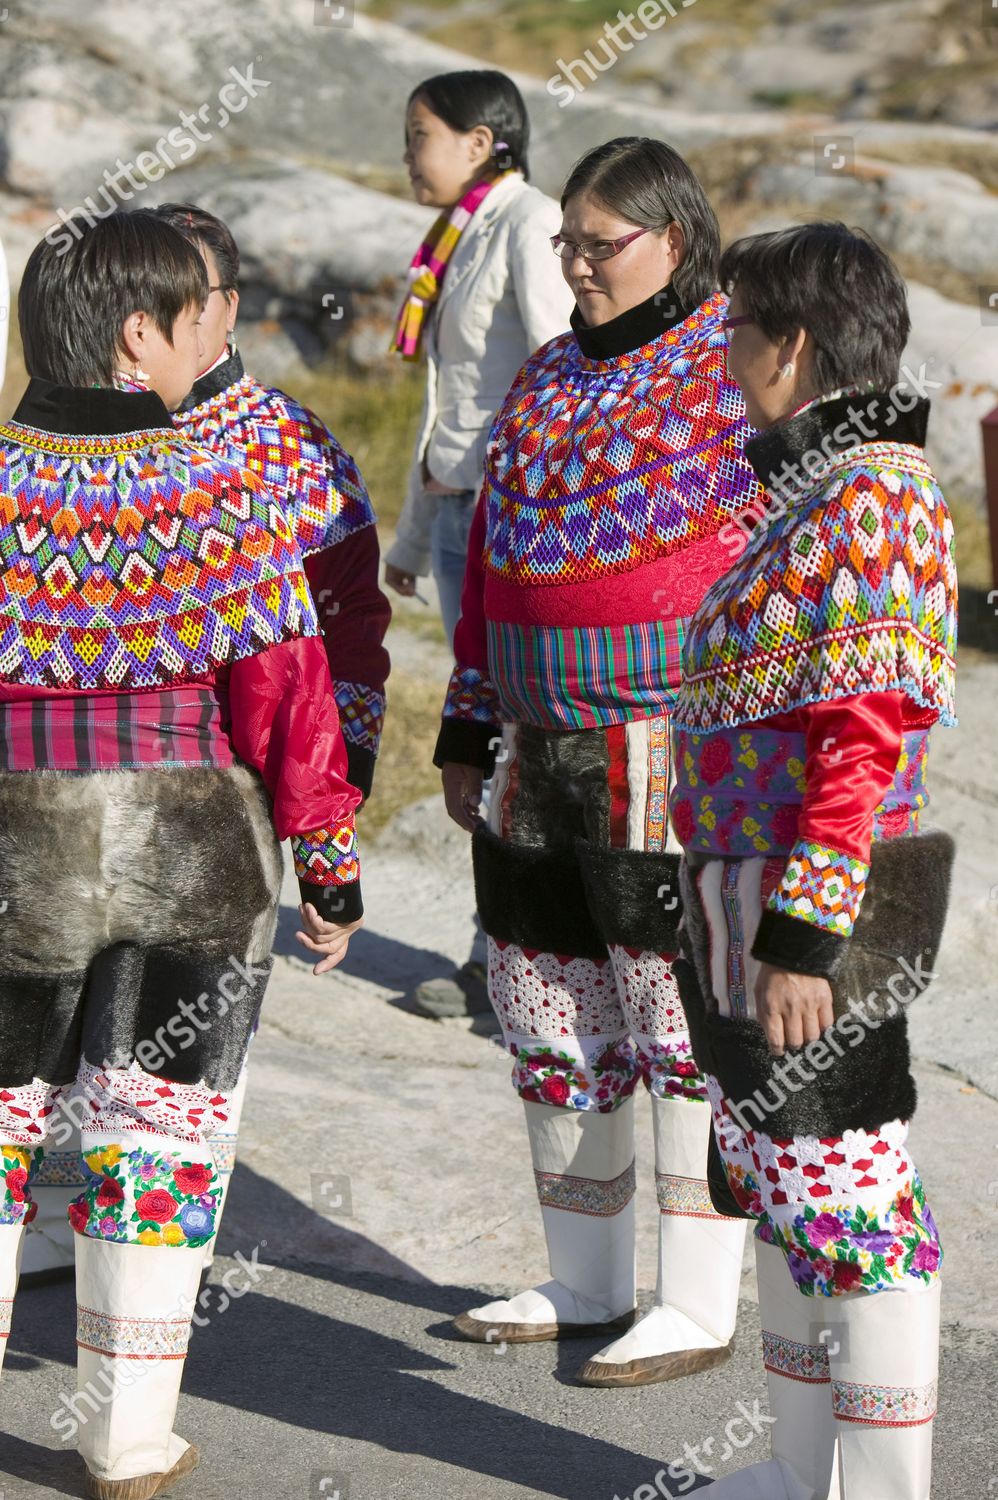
[
  {"x": 612, "y": 466},
  {"x": 813, "y": 903}
]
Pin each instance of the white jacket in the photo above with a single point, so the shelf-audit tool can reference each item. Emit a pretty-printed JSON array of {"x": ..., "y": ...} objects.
[{"x": 503, "y": 296}]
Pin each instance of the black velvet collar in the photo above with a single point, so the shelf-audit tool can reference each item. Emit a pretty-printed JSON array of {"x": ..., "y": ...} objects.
[
  {"x": 95, "y": 412},
  {"x": 832, "y": 427},
  {"x": 215, "y": 381},
  {"x": 630, "y": 329}
]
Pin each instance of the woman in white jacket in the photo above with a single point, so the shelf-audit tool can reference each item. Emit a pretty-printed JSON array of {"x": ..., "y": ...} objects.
[
  {"x": 501, "y": 297},
  {"x": 484, "y": 293}
]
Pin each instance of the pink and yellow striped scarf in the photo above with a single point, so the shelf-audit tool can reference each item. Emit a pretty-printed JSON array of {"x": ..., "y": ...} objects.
[{"x": 426, "y": 273}]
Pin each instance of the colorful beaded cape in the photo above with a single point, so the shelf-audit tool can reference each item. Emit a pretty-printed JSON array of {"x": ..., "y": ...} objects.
[
  {"x": 135, "y": 561},
  {"x": 598, "y": 466},
  {"x": 316, "y": 482},
  {"x": 851, "y": 589}
]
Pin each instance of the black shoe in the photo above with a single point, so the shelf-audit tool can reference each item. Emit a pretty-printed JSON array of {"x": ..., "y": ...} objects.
[{"x": 464, "y": 993}]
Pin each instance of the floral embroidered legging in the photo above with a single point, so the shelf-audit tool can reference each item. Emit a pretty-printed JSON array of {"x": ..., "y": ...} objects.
[
  {"x": 848, "y": 1211},
  {"x": 582, "y": 1033},
  {"x": 584, "y": 1029}
]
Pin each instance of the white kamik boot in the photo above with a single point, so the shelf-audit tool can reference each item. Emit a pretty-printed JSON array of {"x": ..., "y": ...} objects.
[
  {"x": 796, "y": 1355},
  {"x": 690, "y": 1327},
  {"x": 584, "y": 1168},
  {"x": 134, "y": 1307},
  {"x": 885, "y": 1368}
]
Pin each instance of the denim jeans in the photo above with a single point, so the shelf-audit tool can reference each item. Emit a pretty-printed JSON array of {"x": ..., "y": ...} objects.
[{"x": 449, "y": 553}]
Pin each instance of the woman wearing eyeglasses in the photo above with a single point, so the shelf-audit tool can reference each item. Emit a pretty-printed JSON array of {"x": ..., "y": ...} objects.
[
  {"x": 613, "y": 465},
  {"x": 813, "y": 903},
  {"x": 484, "y": 293}
]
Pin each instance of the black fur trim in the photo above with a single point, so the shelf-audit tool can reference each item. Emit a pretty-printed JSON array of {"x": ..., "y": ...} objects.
[
  {"x": 41, "y": 1022},
  {"x": 214, "y": 382},
  {"x": 533, "y": 897},
  {"x": 828, "y": 428},
  {"x": 184, "y": 1016},
  {"x": 901, "y": 916},
  {"x": 98, "y": 411},
  {"x": 468, "y": 743},
  {"x": 855, "y": 1078},
  {"x": 334, "y": 903},
  {"x": 801, "y": 947},
  {"x": 900, "y": 925},
  {"x": 634, "y": 895}
]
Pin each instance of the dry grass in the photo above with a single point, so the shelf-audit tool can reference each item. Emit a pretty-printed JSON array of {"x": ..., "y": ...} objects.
[
  {"x": 405, "y": 764},
  {"x": 515, "y": 34}
]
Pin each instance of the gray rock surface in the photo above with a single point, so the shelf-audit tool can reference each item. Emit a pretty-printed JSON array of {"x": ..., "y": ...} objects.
[
  {"x": 293, "y": 131},
  {"x": 944, "y": 217}
]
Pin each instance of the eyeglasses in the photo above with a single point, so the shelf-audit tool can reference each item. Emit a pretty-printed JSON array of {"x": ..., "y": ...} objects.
[
  {"x": 729, "y": 323},
  {"x": 594, "y": 250},
  {"x": 221, "y": 288}
]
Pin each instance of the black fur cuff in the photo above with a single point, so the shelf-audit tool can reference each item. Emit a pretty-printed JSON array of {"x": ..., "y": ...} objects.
[
  {"x": 634, "y": 895},
  {"x": 533, "y": 897},
  {"x": 334, "y": 903},
  {"x": 360, "y": 767},
  {"x": 799, "y": 947},
  {"x": 468, "y": 743}
]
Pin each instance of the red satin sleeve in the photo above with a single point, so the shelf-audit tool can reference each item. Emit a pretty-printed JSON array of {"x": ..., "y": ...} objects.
[
  {"x": 284, "y": 722},
  {"x": 853, "y": 747}
]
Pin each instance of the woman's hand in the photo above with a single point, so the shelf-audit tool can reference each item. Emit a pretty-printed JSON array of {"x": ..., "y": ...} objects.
[
  {"x": 792, "y": 1008},
  {"x": 402, "y": 582},
  {"x": 327, "y": 938},
  {"x": 463, "y": 794}
]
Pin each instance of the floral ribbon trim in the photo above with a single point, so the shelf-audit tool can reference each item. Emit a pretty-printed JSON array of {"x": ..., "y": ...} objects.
[
  {"x": 688, "y": 1196},
  {"x": 586, "y": 1195},
  {"x": 17, "y": 1164},
  {"x": 806, "y": 1362},
  {"x": 131, "y": 1338},
  {"x": 884, "y": 1405}
]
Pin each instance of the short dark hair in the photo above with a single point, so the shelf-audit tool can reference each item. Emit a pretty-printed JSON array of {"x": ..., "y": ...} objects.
[
  {"x": 649, "y": 184},
  {"x": 835, "y": 282},
  {"x": 205, "y": 229},
  {"x": 481, "y": 96},
  {"x": 74, "y": 298}
]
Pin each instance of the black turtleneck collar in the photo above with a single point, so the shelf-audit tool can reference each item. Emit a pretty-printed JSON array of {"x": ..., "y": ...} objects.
[
  {"x": 215, "y": 381},
  {"x": 71, "y": 410},
  {"x": 827, "y": 428},
  {"x": 630, "y": 329}
]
